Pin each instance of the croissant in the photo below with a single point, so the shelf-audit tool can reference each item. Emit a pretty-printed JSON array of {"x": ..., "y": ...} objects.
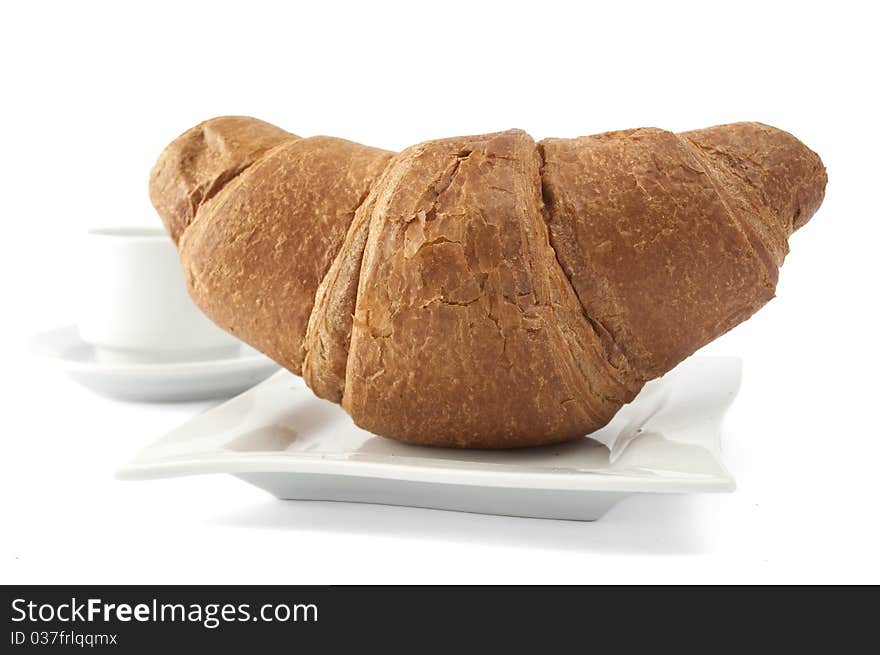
[{"x": 483, "y": 291}]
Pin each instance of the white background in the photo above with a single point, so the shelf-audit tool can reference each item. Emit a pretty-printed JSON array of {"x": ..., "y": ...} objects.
[{"x": 92, "y": 92}]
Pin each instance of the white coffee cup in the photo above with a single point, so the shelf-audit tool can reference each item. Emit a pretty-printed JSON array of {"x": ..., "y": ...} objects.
[{"x": 134, "y": 304}]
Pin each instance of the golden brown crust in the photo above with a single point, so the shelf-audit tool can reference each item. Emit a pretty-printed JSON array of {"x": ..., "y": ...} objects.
[
  {"x": 652, "y": 254},
  {"x": 202, "y": 160},
  {"x": 458, "y": 337},
  {"x": 671, "y": 240},
  {"x": 483, "y": 291},
  {"x": 258, "y": 250},
  {"x": 770, "y": 166},
  {"x": 329, "y": 329}
]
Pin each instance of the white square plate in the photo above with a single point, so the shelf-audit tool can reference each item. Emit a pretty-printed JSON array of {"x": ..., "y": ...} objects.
[{"x": 282, "y": 438}]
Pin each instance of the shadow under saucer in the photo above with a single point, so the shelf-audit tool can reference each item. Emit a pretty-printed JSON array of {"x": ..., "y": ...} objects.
[{"x": 667, "y": 524}]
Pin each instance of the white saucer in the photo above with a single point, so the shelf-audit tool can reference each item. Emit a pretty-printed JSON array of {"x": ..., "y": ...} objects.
[
  {"x": 282, "y": 438},
  {"x": 153, "y": 380}
]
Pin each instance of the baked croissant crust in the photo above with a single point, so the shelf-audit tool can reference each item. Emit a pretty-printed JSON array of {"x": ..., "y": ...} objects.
[{"x": 483, "y": 291}]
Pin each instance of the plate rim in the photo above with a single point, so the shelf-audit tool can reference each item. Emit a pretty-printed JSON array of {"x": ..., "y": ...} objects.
[
  {"x": 194, "y": 367},
  {"x": 561, "y": 481},
  {"x": 437, "y": 473}
]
